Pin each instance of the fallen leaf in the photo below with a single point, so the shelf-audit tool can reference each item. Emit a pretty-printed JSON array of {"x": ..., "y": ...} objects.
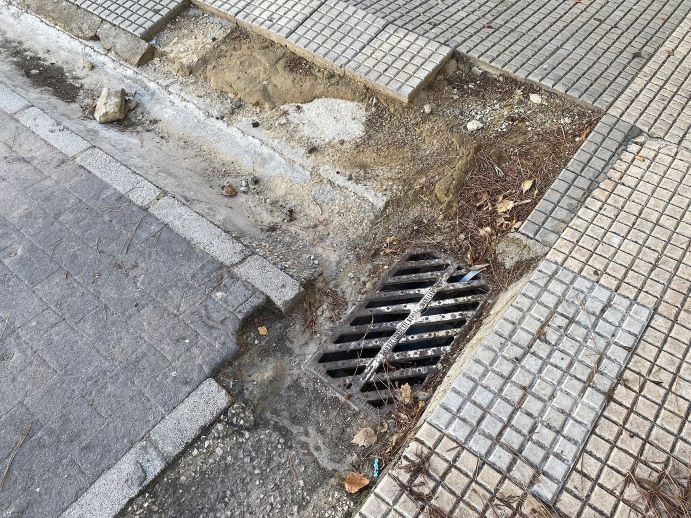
[
  {"x": 406, "y": 394},
  {"x": 263, "y": 331},
  {"x": 484, "y": 198},
  {"x": 516, "y": 225},
  {"x": 229, "y": 190},
  {"x": 485, "y": 231},
  {"x": 504, "y": 206},
  {"x": 527, "y": 184},
  {"x": 354, "y": 482},
  {"x": 365, "y": 437}
]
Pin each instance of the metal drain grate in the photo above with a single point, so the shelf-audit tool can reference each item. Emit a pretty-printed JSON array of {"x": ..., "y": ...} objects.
[{"x": 401, "y": 331}]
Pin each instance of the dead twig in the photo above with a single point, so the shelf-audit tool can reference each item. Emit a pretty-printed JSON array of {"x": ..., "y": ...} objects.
[
  {"x": 126, "y": 244},
  {"x": 10, "y": 459},
  {"x": 664, "y": 495}
]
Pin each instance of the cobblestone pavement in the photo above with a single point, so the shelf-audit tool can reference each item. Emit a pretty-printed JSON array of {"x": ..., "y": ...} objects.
[
  {"x": 588, "y": 50},
  {"x": 108, "y": 318},
  {"x": 142, "y": 18},
  {"x": 584, "y": 382}
]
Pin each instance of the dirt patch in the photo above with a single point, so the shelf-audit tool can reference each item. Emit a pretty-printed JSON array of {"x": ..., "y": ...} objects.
[
  {"x": 41, "y": 72},
  {"x": 457, "y": 190},
  {"x": 265, "y": 74}
]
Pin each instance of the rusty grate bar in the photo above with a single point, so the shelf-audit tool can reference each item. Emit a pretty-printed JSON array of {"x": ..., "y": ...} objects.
[{"x": 400, "y": 332}]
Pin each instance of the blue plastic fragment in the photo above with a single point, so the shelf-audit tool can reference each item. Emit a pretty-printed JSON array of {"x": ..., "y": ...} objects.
[{"x": 376, "y": 467}]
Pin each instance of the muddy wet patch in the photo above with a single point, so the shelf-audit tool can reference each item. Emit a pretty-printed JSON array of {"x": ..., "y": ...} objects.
[{"x": 41, "y": 72}]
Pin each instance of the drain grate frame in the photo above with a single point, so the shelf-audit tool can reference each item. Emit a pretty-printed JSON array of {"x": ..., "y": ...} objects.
[{"x": 401, "y": 330}]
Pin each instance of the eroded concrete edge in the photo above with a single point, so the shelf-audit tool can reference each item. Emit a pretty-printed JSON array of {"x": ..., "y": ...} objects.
[
  {"x": 282, "y": 289},
  {"x": 139, "y": 466}
]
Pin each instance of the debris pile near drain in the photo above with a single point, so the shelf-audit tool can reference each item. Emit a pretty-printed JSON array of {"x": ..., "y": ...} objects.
[{"x": 394, "y": 339}]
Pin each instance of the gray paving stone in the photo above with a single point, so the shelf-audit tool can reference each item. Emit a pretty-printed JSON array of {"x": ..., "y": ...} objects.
[
  {"x": 66, "y": 296},
  {"x": 18, "y": 303},
  {"x": 11, "y": 102},
  {"x": 577, "y": 180},
  {"x": 336, "y": 31},
  {"x": 121, "y": 294},
  {"x": 53, "y": 132},
  {"x": 215, "y": 323},
  {"x": 136, "y": 188},
  {"x": 18, "y": 171},
  {"x": 119, "y": 484},
  {"x": 28, "y": 262},
  {"x": 283, "y": 290},
  {"x": 170, "y": 387},
  {"x": 399, "y": 61},
  {"x": 199, "y": 231},
  {"x": 51, "y": 196},
  {"x": 170, "y": 288},
  {"x": 109, "y": 318},
  {"x": 184, "y": 423},
  {"x": 23, "y": 373}
]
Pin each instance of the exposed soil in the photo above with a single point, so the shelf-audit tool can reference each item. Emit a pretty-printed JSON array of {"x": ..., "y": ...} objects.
[
  {"x": 42, "y": 73},
  {"x": 466, "y": 189},
  {"x": 267, "y": 75}
]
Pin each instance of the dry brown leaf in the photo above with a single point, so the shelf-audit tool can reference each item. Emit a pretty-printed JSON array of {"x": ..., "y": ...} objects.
[
  {"x": 485, "y": 231},
  {"x": 504, "y": 206},
  {"x": 365, "y": 437},
  {"x": 516, "y": 225},
  {"x": 354, "y": 482},
  {"x": 527, "y": 184},
  {"x": 406, "y": 394},
  {"x": 263, "y": 331},
  {"x": 484, "y": 198},
  {"x": 229, "y": 190}
]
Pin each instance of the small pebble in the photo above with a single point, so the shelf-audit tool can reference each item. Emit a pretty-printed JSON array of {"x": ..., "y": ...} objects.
[{"x": 474, "y": 125}]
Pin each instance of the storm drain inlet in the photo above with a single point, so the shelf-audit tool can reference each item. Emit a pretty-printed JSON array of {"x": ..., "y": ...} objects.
[{"x": 400, "y": 332}]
